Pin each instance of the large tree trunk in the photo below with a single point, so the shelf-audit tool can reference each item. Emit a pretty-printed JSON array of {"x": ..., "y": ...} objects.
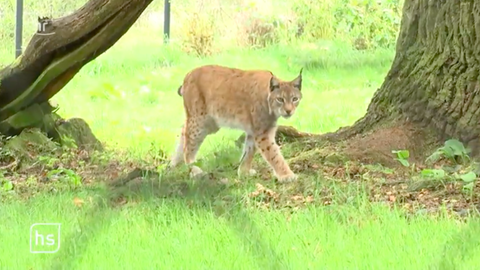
[
  {"x": 51, "y": 61},
  {"x": 434, "y": 78},
  {"x": 431, "y": 92}
]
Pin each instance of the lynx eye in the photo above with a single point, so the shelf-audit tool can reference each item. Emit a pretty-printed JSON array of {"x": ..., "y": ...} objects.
[
  {"x": 280, "y": 100},
  {"x": 294, "y": 99}
]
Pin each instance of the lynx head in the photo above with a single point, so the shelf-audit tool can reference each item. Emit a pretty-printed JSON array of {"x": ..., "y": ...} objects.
[{"x": 284, "y": 96}]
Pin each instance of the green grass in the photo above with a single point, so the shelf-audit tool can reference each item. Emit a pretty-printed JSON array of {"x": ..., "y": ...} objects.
[
  {"x": 173, "y": 234},
  {"x": 128, "y": 96}
]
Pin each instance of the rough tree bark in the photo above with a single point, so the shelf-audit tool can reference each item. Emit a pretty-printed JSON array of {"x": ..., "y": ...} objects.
[
  {"x": 51, "y": 61},
  {"x": 432, "y": 91},
  {"x": 434, "y": 78}
]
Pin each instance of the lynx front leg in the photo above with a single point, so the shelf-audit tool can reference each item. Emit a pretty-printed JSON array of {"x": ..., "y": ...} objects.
[
  {"x": 271, "y": 153},
  {"x": 249, "y": 150}
]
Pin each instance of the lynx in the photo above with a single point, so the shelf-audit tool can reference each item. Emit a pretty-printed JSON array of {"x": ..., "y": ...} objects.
[{"x": 249, "y": 100}]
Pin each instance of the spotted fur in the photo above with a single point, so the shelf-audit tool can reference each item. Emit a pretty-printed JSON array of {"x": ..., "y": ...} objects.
[{"x": 249, "y": 100}]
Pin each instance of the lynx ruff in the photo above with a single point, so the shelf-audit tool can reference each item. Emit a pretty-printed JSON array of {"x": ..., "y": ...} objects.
[{"x": 248, "y": 100}]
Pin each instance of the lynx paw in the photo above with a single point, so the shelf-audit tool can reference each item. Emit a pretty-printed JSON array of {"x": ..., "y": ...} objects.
[
  {"x": 173, "y": 163},
  {"x": 287, "y": 178},
  {"x": 196, "y": 172},
  {"x": 250, "y": 172}
]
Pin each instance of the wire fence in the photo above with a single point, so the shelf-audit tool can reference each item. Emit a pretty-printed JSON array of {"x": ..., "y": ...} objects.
[{"x": 154, "y": 16}]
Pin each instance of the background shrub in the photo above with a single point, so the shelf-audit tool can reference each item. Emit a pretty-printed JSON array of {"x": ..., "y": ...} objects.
[
  {"x": 198, "y": 33},
  {"x": 203, "y": 27}
]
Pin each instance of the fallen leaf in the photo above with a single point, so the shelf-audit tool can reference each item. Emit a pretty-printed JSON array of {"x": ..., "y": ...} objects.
[{"x": 78, "y": 202}]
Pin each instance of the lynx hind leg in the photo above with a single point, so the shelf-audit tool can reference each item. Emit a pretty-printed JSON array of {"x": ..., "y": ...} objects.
[
  {"x": 197, "y": 128},
  {"x": 178, "y": 158},
  {"x": 270, "y": 151},
  {"x": 249, "y": 150}
]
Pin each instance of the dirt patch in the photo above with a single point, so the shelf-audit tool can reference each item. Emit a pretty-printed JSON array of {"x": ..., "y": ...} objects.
[
  {"x": 377, "y": 146},
  {"x": 366, "y": 163}
]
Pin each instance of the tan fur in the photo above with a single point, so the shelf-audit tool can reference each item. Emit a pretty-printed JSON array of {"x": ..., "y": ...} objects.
[{"x": 248, "y": 100}]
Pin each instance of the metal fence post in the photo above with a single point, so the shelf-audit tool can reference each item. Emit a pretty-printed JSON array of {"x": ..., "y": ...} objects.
[
  {"x": 18, "y": 28},
  {"x": 166, "y": 21}
]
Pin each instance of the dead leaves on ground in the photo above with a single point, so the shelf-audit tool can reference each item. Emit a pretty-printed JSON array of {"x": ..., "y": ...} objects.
[
  {"x": 338, "y": 184},
  {"x": 264, "y": 198}
]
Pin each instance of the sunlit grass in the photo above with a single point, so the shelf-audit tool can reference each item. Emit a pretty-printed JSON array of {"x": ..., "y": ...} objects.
[{"x": 175, "y": 234}]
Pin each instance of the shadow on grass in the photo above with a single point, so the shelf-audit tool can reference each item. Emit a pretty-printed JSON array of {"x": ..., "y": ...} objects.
[
  {"x": 461, "y": 247},
  {"x": 141, "y": 185}
]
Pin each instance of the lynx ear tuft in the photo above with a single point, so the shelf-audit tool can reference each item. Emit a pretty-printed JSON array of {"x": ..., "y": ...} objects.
[
  {"x": 297, "y": 82},
  {"x": 274, "y": 84}
]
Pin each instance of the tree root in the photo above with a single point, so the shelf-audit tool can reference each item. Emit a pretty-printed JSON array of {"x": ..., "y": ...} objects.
[
  {"x": 288, "y": 134},
  {"x": 284, "y": 134},
  {"x": 374, "y": 146}
]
